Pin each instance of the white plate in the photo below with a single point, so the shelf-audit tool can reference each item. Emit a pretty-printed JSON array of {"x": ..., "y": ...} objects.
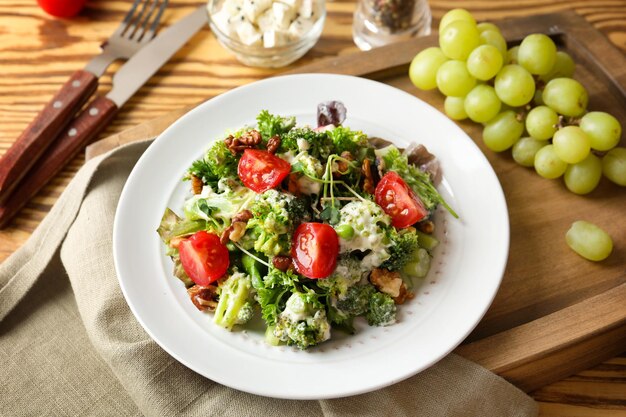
[{"x": 464, "y": 278}]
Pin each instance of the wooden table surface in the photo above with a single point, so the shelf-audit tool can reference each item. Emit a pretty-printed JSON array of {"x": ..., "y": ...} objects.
[{"x": 38, "y": 52}]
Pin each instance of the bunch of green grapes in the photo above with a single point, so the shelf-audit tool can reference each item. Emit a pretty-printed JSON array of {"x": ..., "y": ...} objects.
[{"x": 526, "y": 99}]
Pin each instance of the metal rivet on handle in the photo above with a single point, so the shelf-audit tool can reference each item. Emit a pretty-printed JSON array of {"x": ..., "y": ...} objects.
[
  {"x": 93, "y": 111},
  {"x": 76, "y": 83},
  {"x": 57, "y": 104},
  {"x": 72, "y": 132}
]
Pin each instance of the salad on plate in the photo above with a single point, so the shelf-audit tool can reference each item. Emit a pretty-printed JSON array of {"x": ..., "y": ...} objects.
[{"x": 308, "y": 228}]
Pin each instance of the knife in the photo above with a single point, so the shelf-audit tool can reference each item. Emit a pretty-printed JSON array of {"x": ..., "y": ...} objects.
[
  {"x": 94, "y": 118},
  {"x": 135, "y": 31}
]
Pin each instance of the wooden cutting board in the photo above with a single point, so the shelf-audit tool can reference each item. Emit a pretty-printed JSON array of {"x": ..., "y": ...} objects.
[{"x": 555, "y": 313}]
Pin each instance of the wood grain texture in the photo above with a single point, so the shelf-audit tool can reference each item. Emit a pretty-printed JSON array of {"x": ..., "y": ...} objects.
[
  {"x": 38, "y": 53},
  {"x": 42, "y": 131},
  {"x": 80, "y": 132}
]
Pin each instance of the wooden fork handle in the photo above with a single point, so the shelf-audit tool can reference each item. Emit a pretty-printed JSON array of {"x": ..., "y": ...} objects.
[
  {"x": 82, "y": 130},
  {"x": 41, "y": 132}
]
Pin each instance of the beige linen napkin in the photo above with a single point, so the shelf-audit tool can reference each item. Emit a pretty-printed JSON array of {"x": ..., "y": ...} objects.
[{"x": 72, "y": 346}]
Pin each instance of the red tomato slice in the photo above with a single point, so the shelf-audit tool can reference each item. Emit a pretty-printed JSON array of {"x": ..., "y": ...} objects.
[
  {"x": 261, "y": 171},
  {"x": 204, "y": 257},
  {"x": 314, "y": 249},
  {"x": 399, "y": 201}
]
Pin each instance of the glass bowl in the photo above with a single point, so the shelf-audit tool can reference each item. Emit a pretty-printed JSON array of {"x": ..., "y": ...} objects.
[{"x": 258, "y": 55}]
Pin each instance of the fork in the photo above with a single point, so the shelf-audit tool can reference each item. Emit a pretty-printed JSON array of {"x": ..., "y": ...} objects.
[{"x": 136, "y": 30}]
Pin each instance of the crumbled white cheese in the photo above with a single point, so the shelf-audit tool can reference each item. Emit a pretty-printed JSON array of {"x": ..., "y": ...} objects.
[
  {"x": 253, "y": 8},
  {"x": 272, "y": 38},
  {"x": 283, "y": 15},
  {"x": 306, "y": 9},
  {"x": 267, "y": 23},
  {"x": 299, "y": 27},
  {"x": 248, "y": 34}
]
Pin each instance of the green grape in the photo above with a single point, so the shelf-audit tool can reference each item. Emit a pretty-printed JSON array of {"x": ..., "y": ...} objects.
[
  {"x": 482, "y": 104},
  {"x": 538, "y": 99},
  {"x": 423, "y": 69},
  {"x": 453, "y": 79},
  {"x": 456, "y": 14},
  {"x": 487, "y": 26},
  {"x": 571, "y": 144},
  {"x": 511, "y": 55},
  {"x": 584, "y": 177},
  {"x": 494, "y": 38},
  {"x": 455, "y": 107},
  {"x": 525, "y": 149},
  {"x": 614, "y": 166},
  {"x": 564, "y": 67},
  {"x": 484, "y": 62},
  {"x": 603, "y": 130},
  {"x": 514, "y": 85},
  {"x": 547, "y": 164},
  {"x": 537, "y": 53},
  {"x": 566, "y": 96},
  {"x": 458, "y": 39},
  {"x": 589, "y": 241},
  {"x": 541, "y": 122},
  {"x": 501, "y": 132}
]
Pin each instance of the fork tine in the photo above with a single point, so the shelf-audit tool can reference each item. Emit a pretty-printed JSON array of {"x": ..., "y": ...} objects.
[
  {"x": 156, "y": 21},
  {"x": 145, "y": 23},
  {"x": 127, "y": 19},
  {"x": 132, "y": 27}
]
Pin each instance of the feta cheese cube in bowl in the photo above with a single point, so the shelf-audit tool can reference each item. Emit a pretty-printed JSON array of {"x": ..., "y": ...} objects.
[{"x": 267, "y": 33}]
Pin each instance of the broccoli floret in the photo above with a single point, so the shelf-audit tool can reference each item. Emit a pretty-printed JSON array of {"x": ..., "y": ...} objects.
[
  {"x": 403, "y": 244},
  {"x": 234, "y": 305},
  {"x": 272, "y": 291},
  {"x": 347, "y": 273},
  {"x": 270, "y": 125},
  {"x": 368, "y": 224},
  {"x": 275, "y": 216},
  {"x": 305, "y": 139},
  {"x": 356, "y": 300},
  {"x": 218, "y": 163},
  {"x": 382, "y": 310},
  {"x": 245, "y": 313},
  {"x": 303, "y": 322},
  {"x": 345, "y": 139}
]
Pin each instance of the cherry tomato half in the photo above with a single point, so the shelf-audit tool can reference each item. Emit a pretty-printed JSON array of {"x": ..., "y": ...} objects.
[
  {"x": 261, "y": 171},
  {"x": 62, "y": 8},
  {"x": 204, "y": 257},
  {"x": 314, "y": 250},
  {"x": 399, "y": 201}
]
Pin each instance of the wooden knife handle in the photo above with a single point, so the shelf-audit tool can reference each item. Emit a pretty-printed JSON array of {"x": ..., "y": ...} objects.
[
  {"x": 40, "y": 133},
  {"x": 79, "y": 133}
]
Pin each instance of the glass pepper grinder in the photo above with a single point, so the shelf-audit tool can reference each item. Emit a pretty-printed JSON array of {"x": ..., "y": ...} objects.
[{"x": 380, "y": 22}]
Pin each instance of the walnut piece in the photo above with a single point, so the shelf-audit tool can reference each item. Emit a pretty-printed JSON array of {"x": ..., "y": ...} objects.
[
  {"x": 196, "y": 184},
  {"x": 273, "y": 144},
  {"x": 426, "y": 226},
  {"x": 391, "y": 284},
  {"x": 368, "y": 181},
  {"x": 204, "y": 298},
  {"x": 237, "y": 228},
  {"x": 386, "y": 281},
  {"x": 247, "y": 140}
]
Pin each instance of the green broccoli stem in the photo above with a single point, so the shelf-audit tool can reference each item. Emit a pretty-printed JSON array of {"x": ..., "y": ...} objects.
[
  {"x": 251, "y": 266},
  {"x": 230, "y": 303}
]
